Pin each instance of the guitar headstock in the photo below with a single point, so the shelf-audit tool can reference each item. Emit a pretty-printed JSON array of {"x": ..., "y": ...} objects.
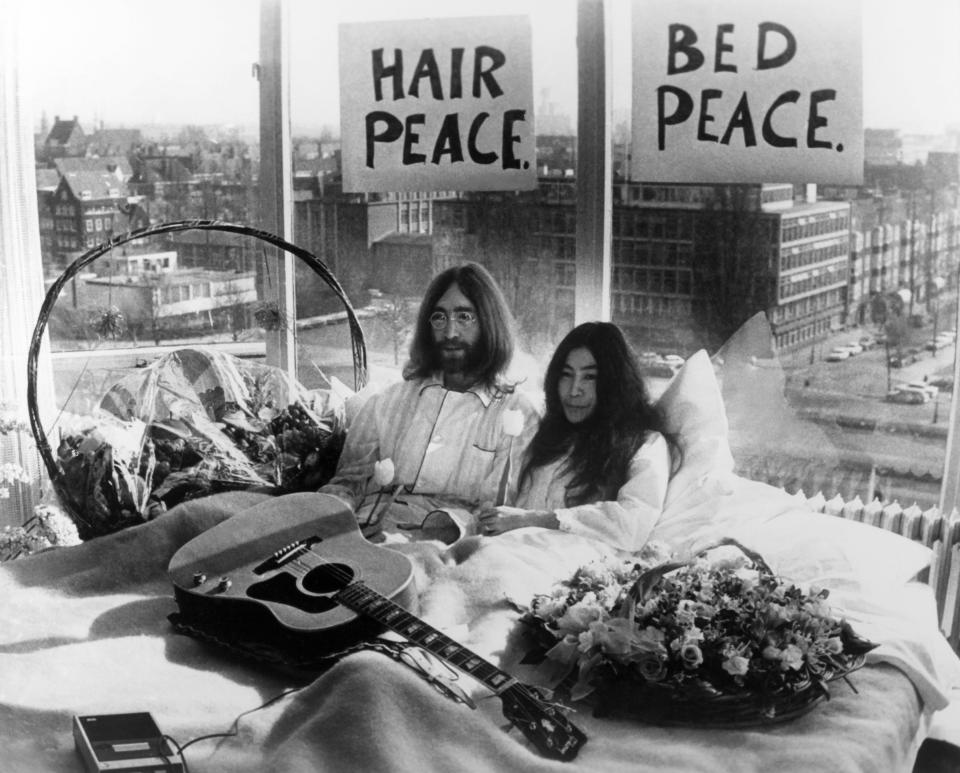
[{"x": 544, "y": 724}]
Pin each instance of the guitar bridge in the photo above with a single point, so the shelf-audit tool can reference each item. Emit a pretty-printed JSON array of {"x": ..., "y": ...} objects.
[{"x": 286, "y": 554}]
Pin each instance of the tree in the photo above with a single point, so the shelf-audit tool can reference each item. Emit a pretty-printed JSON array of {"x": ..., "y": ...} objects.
[
  {"x": 733, "y": 268},
  {"x": 502, "y": 235},
  {"x": 889, "y": 311},
  {"x": 400, "y": 314},
  {"x": 231, "y": 303}
]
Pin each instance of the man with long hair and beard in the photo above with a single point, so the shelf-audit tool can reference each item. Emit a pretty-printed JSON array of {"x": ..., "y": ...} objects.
[{"x": 426, "y": 451}]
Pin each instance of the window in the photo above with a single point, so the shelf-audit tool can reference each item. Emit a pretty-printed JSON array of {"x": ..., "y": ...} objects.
[{"x": 666, "y": 238}]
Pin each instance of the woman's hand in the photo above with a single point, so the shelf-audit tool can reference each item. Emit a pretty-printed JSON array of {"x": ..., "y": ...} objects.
[{"x": 497, "y": 520}]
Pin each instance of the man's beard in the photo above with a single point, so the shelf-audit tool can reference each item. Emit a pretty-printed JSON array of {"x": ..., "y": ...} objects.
[{"x": 456, "y": 357}]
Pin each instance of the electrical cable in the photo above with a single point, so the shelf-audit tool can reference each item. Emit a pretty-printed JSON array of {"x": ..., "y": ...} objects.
[{"x": 234, "y": 726}]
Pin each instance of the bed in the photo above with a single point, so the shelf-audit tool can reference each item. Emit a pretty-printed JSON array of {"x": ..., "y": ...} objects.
[{"x": 85, "y": 630}]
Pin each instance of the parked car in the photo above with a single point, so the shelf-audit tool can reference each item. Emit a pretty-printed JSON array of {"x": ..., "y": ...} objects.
[
  {"x": 937, "y": 344},
  {"x": 851, "y": 346},
  {"x": 914, "y": 389},
  {"x": 837, "y": 354},
  {"x": 867, "y": 342},
  {"x": 944, "y": 384},
  {"x": 945, "y": 338},
  {"x": 659, "y": 369},
  {"x": 906, "y": 396},
  {"x": 925, "y": 386},
  {"x": 673, "y": 359},
  {"x": 898, "y": 360}
]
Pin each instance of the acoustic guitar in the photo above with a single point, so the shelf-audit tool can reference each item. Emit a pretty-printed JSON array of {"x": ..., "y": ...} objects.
[{"x": 295, "y": 572}]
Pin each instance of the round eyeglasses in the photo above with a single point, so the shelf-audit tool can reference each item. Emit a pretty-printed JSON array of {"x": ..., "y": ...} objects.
[{"x": 439, "y": 319}]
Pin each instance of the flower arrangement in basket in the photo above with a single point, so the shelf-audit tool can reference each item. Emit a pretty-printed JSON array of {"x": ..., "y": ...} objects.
[
  {"x": 711, "y": 642},
  {"x": 48, "y": 527}
]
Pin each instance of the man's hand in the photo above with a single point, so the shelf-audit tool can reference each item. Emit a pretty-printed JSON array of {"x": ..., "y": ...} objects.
[{"x": 497, "y": 520}]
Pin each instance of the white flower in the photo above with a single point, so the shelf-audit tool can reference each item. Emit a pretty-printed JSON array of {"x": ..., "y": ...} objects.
[
  {"x": 56, "y": 526},
  {"x": 736, "y": 665},
  {"x": 749, "y": 577},
  {"x": 12, "y": 473},
  {"x": 691, "y": 655},
  {"x": 565, "y": 650},
  {"x": 834, "y": 645},
  {"x": 512, "y": 422},
  {"x": 383, "y": 472},
  {"x": 791, "y": 657},
  {"x": 578, "y": 616}
]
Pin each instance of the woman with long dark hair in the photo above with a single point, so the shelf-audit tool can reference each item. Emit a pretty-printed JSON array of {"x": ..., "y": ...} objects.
[{"x": 600, "y": 461}]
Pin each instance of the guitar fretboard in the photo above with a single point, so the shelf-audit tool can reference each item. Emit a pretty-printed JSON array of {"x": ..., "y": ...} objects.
[{"x": 360, "y": 598}]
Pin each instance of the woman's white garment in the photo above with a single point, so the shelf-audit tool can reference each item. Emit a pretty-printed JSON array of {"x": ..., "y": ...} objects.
[{"x": 625, "y": 522}]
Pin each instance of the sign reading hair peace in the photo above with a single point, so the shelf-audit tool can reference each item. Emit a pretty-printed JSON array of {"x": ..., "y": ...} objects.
[
  {"x": 437, "y": 104},
  {"x": 747, "y": 91}
]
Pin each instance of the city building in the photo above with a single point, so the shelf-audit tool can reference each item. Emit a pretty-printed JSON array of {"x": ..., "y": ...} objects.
[
  {"x": 85, "y": 209},
  {"x": 185, "y": 298},
  {"x": 66, "y": 138},
  {"x": 113, "y": 142},
  {"x": 882, "y": 147},
  {"x": 694, "y": 258},
  {"x": 379, "y": 241}
]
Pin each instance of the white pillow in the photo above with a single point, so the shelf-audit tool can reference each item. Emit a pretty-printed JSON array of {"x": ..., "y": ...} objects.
[
  {"x": 826, "y": 549},
  {"x": 706, "y": 501},
  {"x": 694, "y": 413}
]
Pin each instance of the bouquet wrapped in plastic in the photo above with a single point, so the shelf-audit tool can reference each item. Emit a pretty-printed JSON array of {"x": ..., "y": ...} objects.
[{"x": 195, "y": 422}]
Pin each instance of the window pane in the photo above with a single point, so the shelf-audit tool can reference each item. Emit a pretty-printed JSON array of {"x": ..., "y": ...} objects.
[
  {"x": 125, "y": 140},
  {"x": 385, "y": 246},
  {"x": 843, "y": 384}
]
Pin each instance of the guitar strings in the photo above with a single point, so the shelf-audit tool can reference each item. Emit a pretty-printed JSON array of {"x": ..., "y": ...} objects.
[{"x": 347, "y": 576}]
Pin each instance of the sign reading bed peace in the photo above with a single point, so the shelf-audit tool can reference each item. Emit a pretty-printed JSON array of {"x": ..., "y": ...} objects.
[
  {"x": 437, "y": 104},
  {"x": 747, "y": 91}
]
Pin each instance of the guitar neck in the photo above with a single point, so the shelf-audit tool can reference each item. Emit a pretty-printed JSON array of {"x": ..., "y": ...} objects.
[{"x": 360, "y": 598}]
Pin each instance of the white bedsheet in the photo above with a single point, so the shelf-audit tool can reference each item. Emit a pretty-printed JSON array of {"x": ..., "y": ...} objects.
[{"x": 84, "y": 631}]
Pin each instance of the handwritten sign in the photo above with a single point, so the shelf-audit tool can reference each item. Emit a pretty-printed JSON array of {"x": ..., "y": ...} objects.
[
  {"x": 437, "y": 104},
  {"x": 747, "y": 91}
]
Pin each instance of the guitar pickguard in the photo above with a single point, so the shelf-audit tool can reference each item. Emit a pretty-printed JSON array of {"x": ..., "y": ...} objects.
[{"x": 311, "y": 595}]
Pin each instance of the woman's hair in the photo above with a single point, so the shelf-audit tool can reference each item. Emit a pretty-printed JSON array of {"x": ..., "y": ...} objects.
[
  {"x": 497, "y": 327},
  {"x": 602, "y": 446}
]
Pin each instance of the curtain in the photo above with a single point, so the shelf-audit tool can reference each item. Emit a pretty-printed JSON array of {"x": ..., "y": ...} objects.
[{"x": 21, "y": 275}]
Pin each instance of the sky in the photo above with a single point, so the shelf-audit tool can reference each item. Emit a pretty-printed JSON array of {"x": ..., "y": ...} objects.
[{"x": 134, "y": 62}]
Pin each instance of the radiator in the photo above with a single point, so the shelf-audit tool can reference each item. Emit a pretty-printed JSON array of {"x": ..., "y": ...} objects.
[{"x": 936, "y": 530}]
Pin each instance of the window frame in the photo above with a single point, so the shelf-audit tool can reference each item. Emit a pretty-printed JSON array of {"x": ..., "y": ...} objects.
[{"x": 592, "y": 268}]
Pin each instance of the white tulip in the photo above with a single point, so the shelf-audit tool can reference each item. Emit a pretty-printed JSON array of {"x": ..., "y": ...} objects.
[
  {"x": 383, "y": 472},
  {"x": 512, "y": 422}
]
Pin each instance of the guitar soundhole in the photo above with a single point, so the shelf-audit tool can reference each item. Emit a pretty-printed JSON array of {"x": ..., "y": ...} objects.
[{"x": 328, "y": 578}]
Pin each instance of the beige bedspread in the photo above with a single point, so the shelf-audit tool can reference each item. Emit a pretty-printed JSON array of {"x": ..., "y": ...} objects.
[{"x": 84, "y": 630}]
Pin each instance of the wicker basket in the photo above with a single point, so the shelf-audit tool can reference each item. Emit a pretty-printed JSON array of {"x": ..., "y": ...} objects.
[
  {"x": 645, "y": 703},
  {"x": 618, "y": 693},
  {"x": 316, "y": 265},
  {"x": 629, "y": 671}
]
